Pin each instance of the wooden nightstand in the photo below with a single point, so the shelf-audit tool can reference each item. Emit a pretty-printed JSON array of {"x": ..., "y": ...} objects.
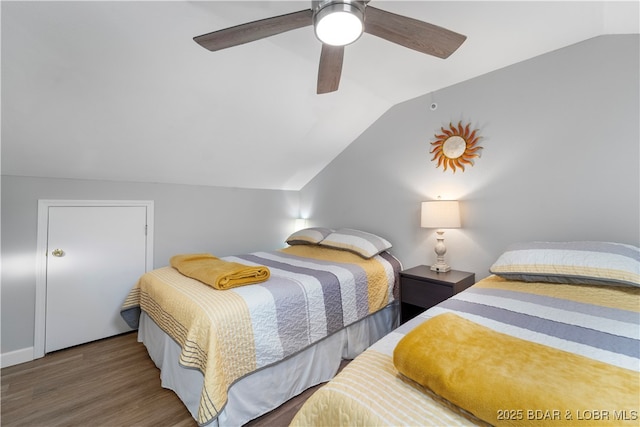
[{"x": 421, "y": 288}]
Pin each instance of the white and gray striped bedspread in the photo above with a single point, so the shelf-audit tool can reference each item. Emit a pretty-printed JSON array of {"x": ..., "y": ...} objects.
[
  {"x": 607, "y": 334},
  {"x": 312, "y": 292},
  {"x": 598, "y": 322}
]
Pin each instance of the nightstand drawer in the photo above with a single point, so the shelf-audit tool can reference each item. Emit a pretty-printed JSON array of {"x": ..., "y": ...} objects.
[
  {"x": 416, "y": 292},
  {"x": 421, "y": 288}
]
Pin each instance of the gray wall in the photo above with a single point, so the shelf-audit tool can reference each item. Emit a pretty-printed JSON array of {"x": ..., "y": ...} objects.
[
  {"x": 560, "y": 161},
  {"x": 223, "y": 221}
]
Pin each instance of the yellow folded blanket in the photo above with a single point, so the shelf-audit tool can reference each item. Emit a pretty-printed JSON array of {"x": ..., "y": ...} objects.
[
  {"x": 218, "y": 273},
  {"x": 510, "y": 381}
]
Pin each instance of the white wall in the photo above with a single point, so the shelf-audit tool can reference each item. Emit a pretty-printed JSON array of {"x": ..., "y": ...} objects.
[
  {"x": 560, "y": 161},
  {"x": 222, "y": 221}
]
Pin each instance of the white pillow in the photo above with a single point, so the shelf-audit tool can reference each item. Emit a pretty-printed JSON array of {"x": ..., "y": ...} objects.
[
  {"x": 309, "y": 236},
  {"x": 365, "y": 244},
  {"x": 596, "y": 263}
]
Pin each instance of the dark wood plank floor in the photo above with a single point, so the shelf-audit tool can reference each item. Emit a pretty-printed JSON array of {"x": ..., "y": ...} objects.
[{"x": 111, "y": 382}]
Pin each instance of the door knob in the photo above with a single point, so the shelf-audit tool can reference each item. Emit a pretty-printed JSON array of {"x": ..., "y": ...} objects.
[{"x": 57, "y": 252}]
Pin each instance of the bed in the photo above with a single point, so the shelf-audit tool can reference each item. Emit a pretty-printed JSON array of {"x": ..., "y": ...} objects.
[
  {"x": 550, "y": 338},
  {"x": 235, "y": 337}
]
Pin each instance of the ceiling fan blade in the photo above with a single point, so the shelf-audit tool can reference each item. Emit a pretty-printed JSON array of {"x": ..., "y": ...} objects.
[
  {"x": 412, "y": 33},
  {"x": 330, "y": 68},
  {"x": 256, "y": 30}
]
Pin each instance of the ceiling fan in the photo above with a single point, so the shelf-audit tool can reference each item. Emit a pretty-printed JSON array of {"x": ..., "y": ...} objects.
[{"x": 338, "y": 23}]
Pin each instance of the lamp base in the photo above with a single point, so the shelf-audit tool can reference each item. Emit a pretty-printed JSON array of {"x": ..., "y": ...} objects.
[{"x": 440, "y": 268}]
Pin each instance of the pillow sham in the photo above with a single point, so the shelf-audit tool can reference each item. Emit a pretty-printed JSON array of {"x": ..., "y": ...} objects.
[
  {"x": 309, "y": 236},
  {"x": 594, "y": 263},
  {"x": 365, "y": 244}
]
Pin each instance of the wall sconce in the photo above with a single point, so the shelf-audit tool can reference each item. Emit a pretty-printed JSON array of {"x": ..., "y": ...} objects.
[
  {"x": 440, "y": 214},
  {"x": 300, "y": 224}
]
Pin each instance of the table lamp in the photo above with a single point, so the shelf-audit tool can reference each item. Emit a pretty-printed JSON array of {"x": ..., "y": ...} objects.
[{"x": 440, "y": 214}]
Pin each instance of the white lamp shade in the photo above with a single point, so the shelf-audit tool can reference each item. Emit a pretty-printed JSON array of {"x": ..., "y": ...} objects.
[{"x": 440, "y": 214}]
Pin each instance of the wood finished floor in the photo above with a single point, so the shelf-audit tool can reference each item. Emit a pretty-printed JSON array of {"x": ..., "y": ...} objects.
[{"x": 111, "y": 382}]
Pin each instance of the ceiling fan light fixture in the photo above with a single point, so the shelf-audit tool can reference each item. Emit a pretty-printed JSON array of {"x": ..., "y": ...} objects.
[{"x": 339, "y": 24}]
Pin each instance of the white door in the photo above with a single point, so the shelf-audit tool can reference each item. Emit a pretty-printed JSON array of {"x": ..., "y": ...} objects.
[{"x": 95, "y": 254}]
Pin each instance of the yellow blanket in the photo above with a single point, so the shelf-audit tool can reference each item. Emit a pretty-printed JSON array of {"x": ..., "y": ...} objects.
[
  {"x": 217, "y": 273},
  {"x": 509, "y": 381}
]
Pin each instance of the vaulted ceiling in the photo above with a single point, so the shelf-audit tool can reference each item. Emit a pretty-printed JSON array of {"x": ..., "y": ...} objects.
[{"x": 118, "y": 90}]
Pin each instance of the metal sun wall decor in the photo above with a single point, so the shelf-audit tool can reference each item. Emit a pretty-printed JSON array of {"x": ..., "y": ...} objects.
[{"x": 455, "y": 147}]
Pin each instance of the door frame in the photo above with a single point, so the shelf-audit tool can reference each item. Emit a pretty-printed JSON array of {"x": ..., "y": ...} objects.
[{"x": 41, "y": 255}]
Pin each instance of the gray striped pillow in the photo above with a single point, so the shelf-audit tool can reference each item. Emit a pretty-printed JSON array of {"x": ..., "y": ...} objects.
[
  {"x": 596, "y": 263},
  {"x": 365, "y": 244},
  {"x": 309, "y": 236}
]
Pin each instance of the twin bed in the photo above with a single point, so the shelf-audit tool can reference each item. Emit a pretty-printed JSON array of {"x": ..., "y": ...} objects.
[{"x": 551, "y": 338}]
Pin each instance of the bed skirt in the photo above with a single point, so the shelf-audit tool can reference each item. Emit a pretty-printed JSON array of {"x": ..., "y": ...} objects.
[{"x": 263, "y": 390}]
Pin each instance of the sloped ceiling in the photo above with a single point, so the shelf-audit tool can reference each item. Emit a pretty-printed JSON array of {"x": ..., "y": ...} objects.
[{"x": 118, "y": 90}]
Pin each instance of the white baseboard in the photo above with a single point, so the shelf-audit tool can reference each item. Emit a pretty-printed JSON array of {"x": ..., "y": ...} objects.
[{"x": 16, "y": 357}]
